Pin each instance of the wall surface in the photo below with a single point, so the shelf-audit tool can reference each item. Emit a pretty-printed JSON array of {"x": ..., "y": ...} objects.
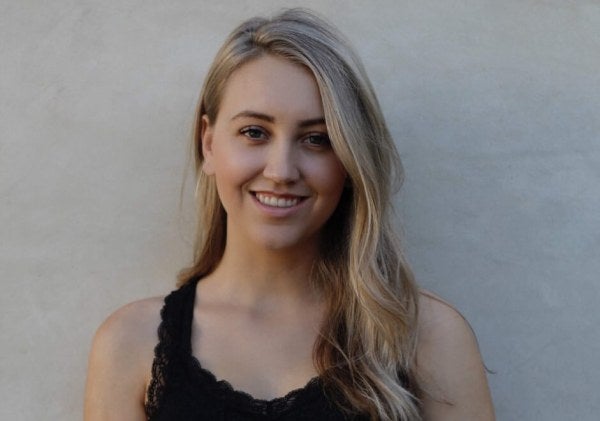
[{"x": 495, "y": 108}]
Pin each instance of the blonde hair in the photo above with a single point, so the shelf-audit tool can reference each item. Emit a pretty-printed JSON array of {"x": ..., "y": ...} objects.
[{"x": 366, "y": 352}]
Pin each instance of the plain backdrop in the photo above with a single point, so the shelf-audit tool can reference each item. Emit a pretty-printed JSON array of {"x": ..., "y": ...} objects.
[{"x": 494, "y": 106}]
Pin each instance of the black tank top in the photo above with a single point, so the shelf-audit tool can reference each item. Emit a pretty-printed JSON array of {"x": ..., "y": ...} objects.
[{"x": 181, "y": 390}]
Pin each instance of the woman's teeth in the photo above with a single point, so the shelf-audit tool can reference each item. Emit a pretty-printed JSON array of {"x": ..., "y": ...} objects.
[{"x": 276, "y": 201}]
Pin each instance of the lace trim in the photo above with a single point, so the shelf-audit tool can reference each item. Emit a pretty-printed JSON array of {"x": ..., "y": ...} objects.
[{"x": 222, "y": 389}]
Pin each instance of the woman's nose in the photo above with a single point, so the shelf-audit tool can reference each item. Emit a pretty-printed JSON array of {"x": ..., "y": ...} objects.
[{"x": 281, "y": 163}]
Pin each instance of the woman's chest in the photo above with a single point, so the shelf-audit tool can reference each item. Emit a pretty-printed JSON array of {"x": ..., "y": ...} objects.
[{"x": 265, "y": 357}]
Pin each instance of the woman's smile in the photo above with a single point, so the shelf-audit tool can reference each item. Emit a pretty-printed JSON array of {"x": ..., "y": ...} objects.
[{"x": 278, "y": 201}]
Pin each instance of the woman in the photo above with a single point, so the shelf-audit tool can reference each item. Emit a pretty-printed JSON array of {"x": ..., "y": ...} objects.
[{"x": 298, "y": 296}]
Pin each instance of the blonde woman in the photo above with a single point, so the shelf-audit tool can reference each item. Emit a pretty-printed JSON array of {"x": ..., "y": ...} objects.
[{"x": 299, "y": 304}]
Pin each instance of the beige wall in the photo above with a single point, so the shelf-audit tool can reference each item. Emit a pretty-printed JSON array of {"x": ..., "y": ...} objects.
[{"x": 495, "y": 107}]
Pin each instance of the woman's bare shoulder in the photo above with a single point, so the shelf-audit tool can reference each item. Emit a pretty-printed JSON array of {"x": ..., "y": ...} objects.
[
  {"x": 132, "y": 323},
  {"x": 449, "y": 363},
  {"x": 436, "y": 313},
  {"x": 445, "y": 338},
  {"x": 120, "y": 361}
]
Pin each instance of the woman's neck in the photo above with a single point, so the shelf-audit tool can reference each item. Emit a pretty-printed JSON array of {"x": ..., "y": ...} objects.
[{"x": 255, "y": 277}]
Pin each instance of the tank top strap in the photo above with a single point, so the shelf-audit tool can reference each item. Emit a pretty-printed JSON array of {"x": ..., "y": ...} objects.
[{"x": 174, "y": 333}]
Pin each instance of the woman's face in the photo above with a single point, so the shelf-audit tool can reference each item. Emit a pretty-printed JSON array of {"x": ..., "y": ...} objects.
[{"x": 277, "y": 175}]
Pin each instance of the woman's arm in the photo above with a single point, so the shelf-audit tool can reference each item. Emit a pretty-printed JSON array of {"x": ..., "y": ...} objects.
[
  {"x": 450, "y": 366},
  {"x": 120, "y": 363}
]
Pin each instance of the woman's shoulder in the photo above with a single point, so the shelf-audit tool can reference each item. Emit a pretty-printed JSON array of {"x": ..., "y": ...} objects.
[
  {"x": 449, "y": 362},
  {"x": 132, "y": 324},
  {"x": 436, "y": 315},
  {"x": 125, "y": 341},
  {"x": 120, "y": 361},
  {"x": 446, "y": 341}
]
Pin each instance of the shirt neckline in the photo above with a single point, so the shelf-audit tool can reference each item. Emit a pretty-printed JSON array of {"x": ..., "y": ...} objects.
[{"x": 222, "y": 389}]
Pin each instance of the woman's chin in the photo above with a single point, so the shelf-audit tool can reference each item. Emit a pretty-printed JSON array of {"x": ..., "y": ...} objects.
[{"x": 285, "y": 244}]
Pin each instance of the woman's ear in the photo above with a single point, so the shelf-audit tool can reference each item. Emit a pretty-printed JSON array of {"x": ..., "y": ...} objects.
[{"x": 207, "y": 139}]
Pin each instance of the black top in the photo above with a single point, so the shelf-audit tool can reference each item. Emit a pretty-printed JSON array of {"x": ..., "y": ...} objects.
[{"x": 181, "y": 389}]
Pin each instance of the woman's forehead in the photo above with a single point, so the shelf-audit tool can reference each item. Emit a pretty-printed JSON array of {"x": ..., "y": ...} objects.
[{"x": 272, "y": 85}]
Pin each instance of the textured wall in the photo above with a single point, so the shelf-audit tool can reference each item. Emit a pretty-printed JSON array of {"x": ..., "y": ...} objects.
[{"x": 495, "y": 107}]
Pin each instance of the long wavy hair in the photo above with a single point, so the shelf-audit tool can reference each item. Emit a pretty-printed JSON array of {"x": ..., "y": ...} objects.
[{"x": 365, "y": 353}]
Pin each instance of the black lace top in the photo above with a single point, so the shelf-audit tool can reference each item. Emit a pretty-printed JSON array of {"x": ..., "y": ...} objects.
[{"x": 182, "y": 390}]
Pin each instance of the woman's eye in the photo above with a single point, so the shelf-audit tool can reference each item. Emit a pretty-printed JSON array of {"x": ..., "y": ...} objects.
[
  {"x": 253, "y": 133},
  {"x": 320, "y": 140}
]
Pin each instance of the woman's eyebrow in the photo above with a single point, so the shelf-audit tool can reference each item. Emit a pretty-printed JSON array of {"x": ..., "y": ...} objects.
[
  {"x": 312, "y": 122},
  {"x": 254, "y": 114},
  {"x": 268, "y": 118}
]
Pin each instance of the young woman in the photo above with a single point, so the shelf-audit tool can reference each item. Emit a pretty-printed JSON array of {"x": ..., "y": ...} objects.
[{"x": 299, "y": 304}]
